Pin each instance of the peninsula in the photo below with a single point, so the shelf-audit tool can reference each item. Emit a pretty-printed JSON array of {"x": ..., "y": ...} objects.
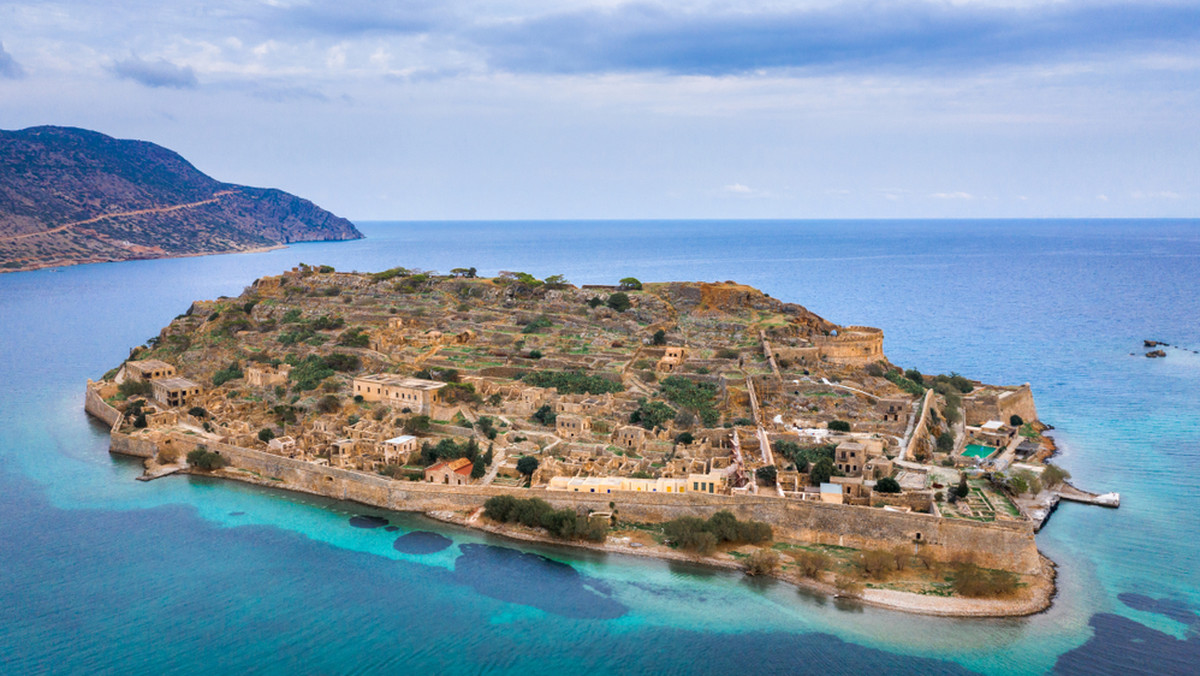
[
  {"x": 692, "y": 420},
  {"x": 70, "y": 196}
]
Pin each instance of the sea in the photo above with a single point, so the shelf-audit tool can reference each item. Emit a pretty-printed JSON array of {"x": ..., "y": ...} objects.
[{"x": 102, "y": 574}]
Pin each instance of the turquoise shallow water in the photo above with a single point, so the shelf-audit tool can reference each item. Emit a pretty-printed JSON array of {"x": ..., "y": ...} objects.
[{"x": 99, "y": 573}]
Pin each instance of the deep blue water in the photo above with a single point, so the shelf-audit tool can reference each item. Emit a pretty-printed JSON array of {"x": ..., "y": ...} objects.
[{"x": 102, "y": 574}]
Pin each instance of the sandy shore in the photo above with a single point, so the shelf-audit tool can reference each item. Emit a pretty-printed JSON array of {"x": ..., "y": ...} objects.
[{"x": 1031, "y": 600}]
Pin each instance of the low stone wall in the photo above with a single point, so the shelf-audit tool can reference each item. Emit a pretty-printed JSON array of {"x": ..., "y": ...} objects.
[
  {"x": 95, "y": 405},
  {"x": 997, "y": 545}
]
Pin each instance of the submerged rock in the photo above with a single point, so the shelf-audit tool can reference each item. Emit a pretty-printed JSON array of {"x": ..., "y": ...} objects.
[{"x": 368, "y": 521}]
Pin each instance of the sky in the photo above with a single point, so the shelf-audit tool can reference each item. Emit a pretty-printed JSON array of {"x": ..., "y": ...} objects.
[{"x": 508, "y": 109}]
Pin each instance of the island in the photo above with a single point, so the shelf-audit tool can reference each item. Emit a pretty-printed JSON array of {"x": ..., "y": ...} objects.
[
  {"x": 71, "y": 196},
  {"x": 699, "y": 421}
]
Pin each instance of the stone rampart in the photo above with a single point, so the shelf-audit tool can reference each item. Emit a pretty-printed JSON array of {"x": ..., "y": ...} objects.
[
  {"x": 1000, "y": 545},
  {"x": 95, "y": 405},
  {"x": 141, "y": 445},
  {"x": 989, "y": 405}
]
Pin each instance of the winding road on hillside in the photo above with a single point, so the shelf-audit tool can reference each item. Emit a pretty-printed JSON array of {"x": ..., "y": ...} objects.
[{"x": 138, "y": 212}]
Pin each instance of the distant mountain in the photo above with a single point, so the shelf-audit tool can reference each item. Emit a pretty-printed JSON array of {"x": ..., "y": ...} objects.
[{"x": 76, "y": 196}]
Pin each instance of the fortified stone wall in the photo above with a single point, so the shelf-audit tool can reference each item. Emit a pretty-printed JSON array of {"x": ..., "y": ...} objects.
[
  {"x": 1001, "y": 406},
  {"x": 139, "y": 446},
  {"x": 853, "y": 345},
  {"x": 95, "y": 405},
  {"x": 997, "y": 545}
]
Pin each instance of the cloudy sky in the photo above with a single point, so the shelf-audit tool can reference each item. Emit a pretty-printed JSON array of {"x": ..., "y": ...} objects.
[{"x": 608, "y": 109}]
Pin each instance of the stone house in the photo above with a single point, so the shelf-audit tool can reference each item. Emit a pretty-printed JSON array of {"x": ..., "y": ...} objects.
[
  {"x": 416, "y": 394},
  {"x": 174, "y": 392},
  {"x": 149, "y": 369},
  {"x": 400, "y": 449},
  {"x": 261, "y": 375},
  {"x": 849, "y": 457},
  {"x": 450, "y": 472},
  {"x": 572, "y": 426},
  {"x": 671, "y": 360},
  {"x": 630, "y": 437}
]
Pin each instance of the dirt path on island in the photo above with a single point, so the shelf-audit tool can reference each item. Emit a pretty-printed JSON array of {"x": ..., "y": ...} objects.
[{"x": 137, "y": 212}]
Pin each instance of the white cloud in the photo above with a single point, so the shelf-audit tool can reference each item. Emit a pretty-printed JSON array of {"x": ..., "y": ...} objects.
[{"x": 953, "y": 196}]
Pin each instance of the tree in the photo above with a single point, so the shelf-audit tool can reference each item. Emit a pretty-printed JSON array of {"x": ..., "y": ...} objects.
[
  {"x": 205, "y": 459},
  {"x": 630, "y": 284},
  {"x": 768, "y": 474},
  {"x": 545, "y": 415},
  {"x": 1054, "y": 475},
  {"x": 266, "y": 434},
  {"x": 684, "y": 438},
  {"x": 651, "y": 414},
  {"x": 875, "y": 563},
  {"x": 945, "y": 442},
  {"x": 839, "y": 426},
  {"x": 659, "y": 338},
  {"x": 555, "y": 282},
  {"x": 140, "y": 420},
  {"x": 478, "y": 468},
  {"x": 962, "y": 489},
  {"x": 810, "y": 564},
  {"x": 418, "y": 425},
  {"x": 354, "y": 337},
  {"x": 488, "y": 457},
  {"x": 762, "y": 562},
  {"x": 231, "y": 372},
  {"x": 619, "y": 301},
  {"x": 595, "y": 302},
  {"x": 527, "y": 465},
  {"x": 915, "y": 376},
  {"x": 329, "y": 404},
  {"x": 1016, "y": 420},
  {"x": 821, "y": 470},
  {"x": 131, "y": 387},
  {"x": 198, "y": 412},
  {"x": 887, "y": 485}
]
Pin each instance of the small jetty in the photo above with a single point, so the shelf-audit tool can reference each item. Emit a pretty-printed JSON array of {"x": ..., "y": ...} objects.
[
  {"x": 1039, "y": 511},
  {"x": 1068, "y": 492}
]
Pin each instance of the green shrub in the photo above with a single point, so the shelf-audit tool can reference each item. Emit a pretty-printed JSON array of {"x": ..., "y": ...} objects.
[
  {"x": 630, "y": 284},
  {"x": 572, "y": 382},
  {"x": 839, "y": 425},
  {"x": 768, "y": 474},
  {"x": 354, "y": 337},
  {"x": 527, "y": 465},
  {"x": 887, "y": 485},
  {"x": 697, "y": 397},
  {"x": 133, "y": 388},
  {"x": 231, "y": 372},
  {"x": 309, "y": 372},
  {"x": 619, "y": 301},
  {"x": 811, "y": 564},
  {"x": 945, "y": 442},
  {"x": 762, "y": 562},
  {"x": 545, "y": 415},
  {"x": 202, "y": 458},
  {"x": 651, "y": 414}
]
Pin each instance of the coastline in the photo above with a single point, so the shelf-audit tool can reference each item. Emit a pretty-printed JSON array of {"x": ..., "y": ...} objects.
[
  {"x": 1039, "y": 598},
  {"x": 89, "y": 261}
]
